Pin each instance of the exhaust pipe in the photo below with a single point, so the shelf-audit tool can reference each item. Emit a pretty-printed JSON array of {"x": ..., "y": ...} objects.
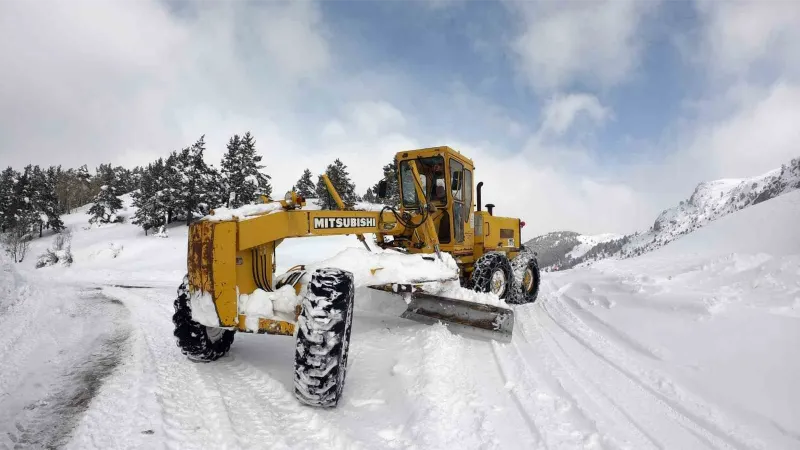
[{"x": 480, "y": 185}]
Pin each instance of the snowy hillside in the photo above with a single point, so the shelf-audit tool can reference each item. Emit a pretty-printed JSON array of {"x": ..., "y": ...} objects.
[
  {"x": 709, "y": 201},
  {"x": 560, "y": 249},
  {"x": 713, "y": 200},
  {"x": 691, "y": 346}
]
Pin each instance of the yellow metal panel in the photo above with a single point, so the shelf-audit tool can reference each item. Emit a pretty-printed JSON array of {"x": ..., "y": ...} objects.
[
  {"x": 200, "y": 258},
  {"x": 224, "y": 266},
  {"x": 244, "y": 272},
  {"x": 496, "y": 233},
  {"x": 269, "y": 326},
  {"x": 434, "y": 151},
  {"x": 271, "y": 227},
  {"x": 298, "y": 223}
]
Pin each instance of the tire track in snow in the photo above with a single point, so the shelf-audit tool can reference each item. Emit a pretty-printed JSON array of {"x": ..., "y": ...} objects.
[
  {"x": 191, "y": 418},
  {"x": 240, "y": 405},
  {"x": 608, "y": 330},
  {"x": 556, "y": 418},
  {"x": 529, "y": 421},
  {"x": 617, "y": 428},
  {"x": 614, "y": 420},
  {"x": 18, "y": 321},
  {"x": 620, "y": 373},
  {"x": 125, "y": 400},
  {"x": 80, "y": 362},
  {"x": 599, "y": 419},
  {"x": 275, "y": 406}
]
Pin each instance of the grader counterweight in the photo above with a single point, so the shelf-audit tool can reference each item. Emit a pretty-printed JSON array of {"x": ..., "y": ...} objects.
[{"x": 231, "y": 285}]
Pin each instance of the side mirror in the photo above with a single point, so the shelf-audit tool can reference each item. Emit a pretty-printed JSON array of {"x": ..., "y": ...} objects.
[
  {"x": 455, "y": 181},
  {"x": 382, "y": 189}
]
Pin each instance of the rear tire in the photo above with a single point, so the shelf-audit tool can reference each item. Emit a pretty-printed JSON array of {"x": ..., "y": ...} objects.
[
  {"x": 492, "y": 273},
  {"x": 527, "y": 278},
  {"x": 197, "y": 341},
  {"x": 323, "y": 338}
]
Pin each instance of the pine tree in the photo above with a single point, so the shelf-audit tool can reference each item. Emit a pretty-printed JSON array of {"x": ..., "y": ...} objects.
[
  {"x": 106, "y": 202},
  {"x": 22, "y": 204},
  {"x": 83, "y": 192},
  {"x": 169, "y": 186},
  {"x": 136, "y": 177},
  {"x": 370, "y": 197},
  {"x": 124, "y": 179},
  {"x": 325, "y": 199},
  {"x": 305, "y": 185},
  {"x": 7, "y": 181},
  {"x": 241, "y": 171},
  {"x": 149, "y": 198},
  {"x": 196, "y": 182},
  {"x": 392, "y": 188},
  {"x": 48, "y": 202},
  {"x": 340, "y": 179}
]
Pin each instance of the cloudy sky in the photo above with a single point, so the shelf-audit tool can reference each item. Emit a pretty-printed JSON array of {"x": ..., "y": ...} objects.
[{"x": 591, "y": 116}]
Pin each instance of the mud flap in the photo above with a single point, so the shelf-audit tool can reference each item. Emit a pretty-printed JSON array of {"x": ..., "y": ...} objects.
[{"x": 462, "y": 317}]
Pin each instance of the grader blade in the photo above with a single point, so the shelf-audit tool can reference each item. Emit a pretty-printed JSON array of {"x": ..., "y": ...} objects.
[
  {"x": 475, "y": 319},
  {"x": 460, "y": 316}
]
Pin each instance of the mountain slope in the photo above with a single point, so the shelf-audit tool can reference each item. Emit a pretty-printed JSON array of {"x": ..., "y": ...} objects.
[
  {"x": 713, "y": 200},
  {"x": 560, "y": 249},
  {"x": 709, "y": 201}
]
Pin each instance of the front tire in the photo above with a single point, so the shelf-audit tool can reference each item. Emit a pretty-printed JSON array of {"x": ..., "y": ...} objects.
[
  {"x": 323, "y": 338},
  {"x": 492, "y": 273},
  {"x": 197, "y": 341}
]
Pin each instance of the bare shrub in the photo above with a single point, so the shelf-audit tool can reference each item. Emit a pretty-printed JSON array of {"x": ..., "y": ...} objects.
[
  {"x": 61, "y": 253},
  {"x": 17, "y": 241}
]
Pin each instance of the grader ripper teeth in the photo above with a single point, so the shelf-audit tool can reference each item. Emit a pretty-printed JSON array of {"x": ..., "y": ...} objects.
[{"x": 231, "y": 261}]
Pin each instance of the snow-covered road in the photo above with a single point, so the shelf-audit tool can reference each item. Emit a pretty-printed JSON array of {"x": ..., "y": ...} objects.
[{"x": 690, "y": 347}]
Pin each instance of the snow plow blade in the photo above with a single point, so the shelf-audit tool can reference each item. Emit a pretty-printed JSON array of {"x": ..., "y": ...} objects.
[{"x": 462, "y": 317}]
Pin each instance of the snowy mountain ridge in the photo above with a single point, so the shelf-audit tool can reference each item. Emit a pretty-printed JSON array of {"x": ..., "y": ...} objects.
[{"x": 709, "y": 201}]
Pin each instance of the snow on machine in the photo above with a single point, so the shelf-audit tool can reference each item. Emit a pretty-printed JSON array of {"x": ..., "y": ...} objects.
[{"x": 451, "y": 249}]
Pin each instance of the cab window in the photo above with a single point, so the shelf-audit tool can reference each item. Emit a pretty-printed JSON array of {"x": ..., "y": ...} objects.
[{"x": 431, "y": 172}]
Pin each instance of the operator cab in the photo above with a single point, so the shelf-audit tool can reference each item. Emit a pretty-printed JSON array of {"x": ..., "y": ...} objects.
[{"x": 446, "y": 180}]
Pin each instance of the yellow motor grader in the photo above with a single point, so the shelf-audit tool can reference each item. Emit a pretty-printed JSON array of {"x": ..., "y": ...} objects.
[{"x": 231, "y": 265}]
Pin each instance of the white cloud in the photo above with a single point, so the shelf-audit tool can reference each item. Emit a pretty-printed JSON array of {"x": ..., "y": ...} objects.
[
  {"x": 291, "y": 36},
  {"x": 741, "y": 36},
  {"x": 561, "y": 112},
  {"x": 758, "y": 136},
  {"x": 746, "y": 121},
  {"x": 563, "y": 43},
  {"x": 374, "y": 117},
  {"x": 100, "y": 81}
]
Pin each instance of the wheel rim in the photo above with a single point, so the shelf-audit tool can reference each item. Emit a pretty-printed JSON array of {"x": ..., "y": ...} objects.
[
  {"x": 527, "y": 280},
  {"x": 214, "y": 334},
  {"x": 497, "y": 285}
]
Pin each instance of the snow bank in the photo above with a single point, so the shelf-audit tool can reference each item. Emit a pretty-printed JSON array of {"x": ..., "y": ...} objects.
[
  {"x": 220, "y": 214},
  {"x": 278, "y": 305},
  {"x": 390, "y": 266},
  {"x": 203, "y": 309}
]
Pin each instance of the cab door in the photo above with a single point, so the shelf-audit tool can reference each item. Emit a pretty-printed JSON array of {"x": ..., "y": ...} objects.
[{"x": 461, "y": 194}]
